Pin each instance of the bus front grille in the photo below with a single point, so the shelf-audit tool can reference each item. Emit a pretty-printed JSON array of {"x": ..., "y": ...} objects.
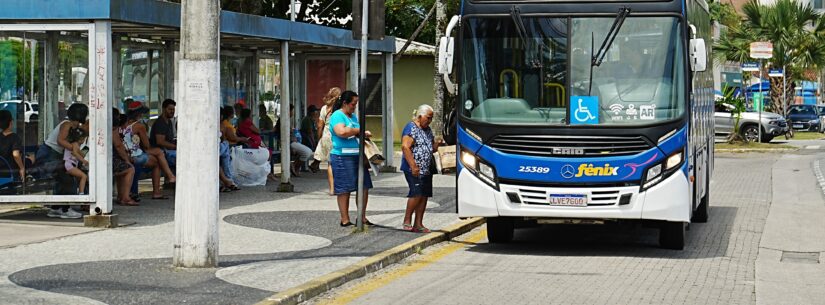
[
  {"x": 570, "y": 146},
  {"x": 594, "y": 198}
]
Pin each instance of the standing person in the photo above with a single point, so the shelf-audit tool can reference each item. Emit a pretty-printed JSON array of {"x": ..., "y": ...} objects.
[
  {"x": 418, "y": 146},
  {"x": 74, "y": 160},
  {"x": 324, "y": 136},
  {"x": 343, "y": 158},
  {"x": 122, "y": 168},
  {"x": 11, "y": 150},
  {"x": 162, "y": 134}
]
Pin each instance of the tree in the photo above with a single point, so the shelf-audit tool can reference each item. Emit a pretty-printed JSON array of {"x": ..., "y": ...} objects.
[{"x": 797, "y": 32}]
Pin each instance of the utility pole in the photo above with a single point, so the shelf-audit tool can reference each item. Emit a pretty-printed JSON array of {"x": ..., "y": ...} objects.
[
  {"x": 286, "y": 123},
  {"x": 362, "y": 88},
  {"x": 438, "y": 81},
  {"x": 196, "y": 213}
]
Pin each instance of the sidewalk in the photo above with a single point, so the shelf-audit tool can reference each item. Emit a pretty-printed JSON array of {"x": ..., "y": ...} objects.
[
  {"x": 789, "y": 268},
  {"x": 269, "y": 242}
]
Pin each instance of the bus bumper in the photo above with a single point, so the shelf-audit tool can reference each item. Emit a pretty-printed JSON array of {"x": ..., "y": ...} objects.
[{"x": 669, "y": 200}]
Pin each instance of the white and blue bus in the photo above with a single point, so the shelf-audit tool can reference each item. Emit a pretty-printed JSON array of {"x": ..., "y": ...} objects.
[{"x": 572, "y": 111}]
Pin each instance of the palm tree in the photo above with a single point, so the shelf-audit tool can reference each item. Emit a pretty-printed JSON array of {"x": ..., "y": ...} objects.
[{"x": 797, "y": 32}]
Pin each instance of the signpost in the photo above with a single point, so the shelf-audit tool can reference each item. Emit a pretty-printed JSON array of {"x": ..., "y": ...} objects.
[
  {"x": 750, "y": 66},
  {"x": 760, "y": 50}
]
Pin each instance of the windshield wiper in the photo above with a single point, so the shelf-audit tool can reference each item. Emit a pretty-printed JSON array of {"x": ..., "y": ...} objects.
[
  {"x": 597, "y": 57},
  {"x": 611, "y": 35},
  {"x": 515, "y": 13}
]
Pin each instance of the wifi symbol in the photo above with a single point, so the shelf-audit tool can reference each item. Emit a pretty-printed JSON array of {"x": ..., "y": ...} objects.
[{"x": 616, "y": 108}]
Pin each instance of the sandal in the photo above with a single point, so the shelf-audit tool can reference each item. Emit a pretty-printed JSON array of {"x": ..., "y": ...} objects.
[
  {"x": 234, "y": 188},
  {"x": 135, "y": 197},
  {"x": 126, "y": 203},
  {"x": 422, "y": 230},
  {"x": 161, "y": 197},
  {"x": 348, "y": 224},
  {"x": 407, "y": 227},
  {"x": 225, "y": 190},
  {"x": 367, "y": 222}
]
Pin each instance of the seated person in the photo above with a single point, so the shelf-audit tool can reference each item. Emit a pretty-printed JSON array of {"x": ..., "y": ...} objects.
[
  {"x": 248, "y": 130},
  {"x": 142, "y": 153},
  {"x": 304, "y": 153},
  {"x": 10, "y": 149},
  {"x": 162, "y": 134},
  {"x": 122, "y": 169},
  {"x": 74, "y": 160},
  {"x": 309, "y": 127}
]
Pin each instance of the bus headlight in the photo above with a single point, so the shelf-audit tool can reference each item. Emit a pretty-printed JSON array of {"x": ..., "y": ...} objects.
[
  {"x": 468, "y": 159},
  {"x": 657, "y": 173},
  {"x": 673, "y": 160},
  {"x": 479, "y": 168}
]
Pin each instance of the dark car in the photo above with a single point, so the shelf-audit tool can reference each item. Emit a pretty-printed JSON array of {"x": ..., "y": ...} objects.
[{"x": 805, "y": 117}]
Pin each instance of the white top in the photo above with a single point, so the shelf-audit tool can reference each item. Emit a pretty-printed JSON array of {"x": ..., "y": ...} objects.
[{"x": 51, "y": 140}]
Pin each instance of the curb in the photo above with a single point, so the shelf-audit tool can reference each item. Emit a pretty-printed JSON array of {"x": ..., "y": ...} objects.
[
  {"x": 368, "y": 265},
  {"x": 756, "y": 150}
]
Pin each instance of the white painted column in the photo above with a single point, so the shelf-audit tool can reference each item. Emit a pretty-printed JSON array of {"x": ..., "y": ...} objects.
[
  {"x": 388, "y": 119},
  {"x": 100, "y": 116},
  {"x": 196, "y": 212},
  {"x": 353, "y": 72}
]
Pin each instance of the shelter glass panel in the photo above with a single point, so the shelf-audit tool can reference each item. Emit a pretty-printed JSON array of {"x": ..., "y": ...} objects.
[
  {"x": 142, "y": 77},
  {"x": 44, "y": 97}
]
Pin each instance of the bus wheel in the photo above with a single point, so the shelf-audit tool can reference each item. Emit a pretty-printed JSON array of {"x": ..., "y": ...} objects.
[
  {"x": 499, "y": 229},
  {"x": 672, "y": 235},
  {"x": 701, "y": 213}
]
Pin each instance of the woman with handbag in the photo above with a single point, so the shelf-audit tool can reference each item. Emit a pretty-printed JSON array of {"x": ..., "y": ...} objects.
[
  {"x": 418, "y": 145},
  {"x": 344, "y": 129}
]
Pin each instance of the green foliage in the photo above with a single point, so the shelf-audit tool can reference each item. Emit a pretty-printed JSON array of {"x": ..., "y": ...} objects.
[
  {"x": 724, "y": 13},
  {"x": 738, "y": 103},
  {"x": 267, "y": 96}
]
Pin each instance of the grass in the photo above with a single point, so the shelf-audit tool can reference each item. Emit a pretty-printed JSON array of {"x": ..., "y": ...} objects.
[
  {"x": 752, "y": 145},
  {"x": 807, "y": 135}
]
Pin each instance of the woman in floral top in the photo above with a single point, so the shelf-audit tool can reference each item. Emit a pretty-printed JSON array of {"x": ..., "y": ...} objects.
[{"x": 418, "y": 145}]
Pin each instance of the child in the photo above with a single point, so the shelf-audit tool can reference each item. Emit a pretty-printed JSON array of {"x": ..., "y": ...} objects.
[{"x": 72, "y": 158}]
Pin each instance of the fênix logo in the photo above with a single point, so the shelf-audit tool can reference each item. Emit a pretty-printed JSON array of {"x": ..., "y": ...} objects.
[{"x": 600, "y": 171}]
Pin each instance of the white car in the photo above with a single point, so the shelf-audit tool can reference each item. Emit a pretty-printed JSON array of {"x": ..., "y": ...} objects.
[{"x": 31, "y": 112}]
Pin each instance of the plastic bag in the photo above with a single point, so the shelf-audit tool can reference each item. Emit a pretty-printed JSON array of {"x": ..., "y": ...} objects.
[{"x": 251, "y": 166}]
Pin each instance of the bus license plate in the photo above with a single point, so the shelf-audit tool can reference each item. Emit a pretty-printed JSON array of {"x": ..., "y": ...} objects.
[
  {"x": 797, "y": 125},
  {"x": 573, "y": 200}
]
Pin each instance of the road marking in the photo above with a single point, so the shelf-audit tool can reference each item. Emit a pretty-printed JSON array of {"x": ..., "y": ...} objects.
[
  {"x": 812, "y": 147},
  {"x": 819, "y": 176},
  {"x": 373, "y": 284}
]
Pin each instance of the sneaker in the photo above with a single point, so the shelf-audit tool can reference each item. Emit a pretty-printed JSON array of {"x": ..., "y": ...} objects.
[
  {"x": 71, "y": 214},
  {"x": 55, "y": 213}
]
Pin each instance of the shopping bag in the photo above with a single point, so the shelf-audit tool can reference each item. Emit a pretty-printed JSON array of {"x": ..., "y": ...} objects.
[
  {"x": 373, "y": 153},
  {"x": 251, "y": 166}
]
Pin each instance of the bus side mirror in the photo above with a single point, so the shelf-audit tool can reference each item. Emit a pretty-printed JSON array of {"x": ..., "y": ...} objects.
[
  {"x": 446, "y": 52},
  {"x": 698, "y": 55}
]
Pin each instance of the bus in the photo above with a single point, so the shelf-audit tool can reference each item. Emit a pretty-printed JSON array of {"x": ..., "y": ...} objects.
[{"x": 582, "y": 112}]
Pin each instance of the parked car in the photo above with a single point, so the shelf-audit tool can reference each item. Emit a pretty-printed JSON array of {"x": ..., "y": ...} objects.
[
  {"x": 773, "y": 125},
  {"x": 31, "y": 112},
  {"x": 805, "y": 117}
]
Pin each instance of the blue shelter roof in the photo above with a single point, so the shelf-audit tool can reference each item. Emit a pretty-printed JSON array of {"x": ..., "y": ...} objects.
[{"x": 166, "y": 14}]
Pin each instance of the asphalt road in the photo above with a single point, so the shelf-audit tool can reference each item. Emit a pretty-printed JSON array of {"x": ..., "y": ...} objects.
[{"x": 557, "y": 264}]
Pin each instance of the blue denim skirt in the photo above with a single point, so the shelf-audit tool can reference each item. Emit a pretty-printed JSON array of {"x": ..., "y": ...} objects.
[{"x": 345, "y": 174}]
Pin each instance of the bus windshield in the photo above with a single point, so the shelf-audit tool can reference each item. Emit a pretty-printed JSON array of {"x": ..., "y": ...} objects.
[{"x": 529, "y": 73}]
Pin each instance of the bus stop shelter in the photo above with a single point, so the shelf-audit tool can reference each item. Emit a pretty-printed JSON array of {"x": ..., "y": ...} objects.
[{"x": 55, "y": 53}]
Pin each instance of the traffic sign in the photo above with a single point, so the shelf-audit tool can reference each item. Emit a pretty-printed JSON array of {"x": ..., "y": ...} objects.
[
  {"x": 776, "y": 72},
  {"x": 761, "y": 49},
  {"x": 750, "y": 66}
]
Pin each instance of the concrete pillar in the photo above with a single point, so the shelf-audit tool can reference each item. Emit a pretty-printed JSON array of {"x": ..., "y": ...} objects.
[
  {"x": 168, "y": 71},
  {"x": 286, "y": 182},
  {"x": 100, "y": 114},
  {"x": 196, "y": 214},
  {"x": 48, "y": 114},
  {"x": 387, "y": 118}
]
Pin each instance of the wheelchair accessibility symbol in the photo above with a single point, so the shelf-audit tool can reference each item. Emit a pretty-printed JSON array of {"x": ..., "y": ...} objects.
[{"x": 584, "y": 110}]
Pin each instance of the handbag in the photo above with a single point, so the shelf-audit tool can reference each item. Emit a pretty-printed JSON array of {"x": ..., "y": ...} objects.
[{"x": 433, "y": 166}]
